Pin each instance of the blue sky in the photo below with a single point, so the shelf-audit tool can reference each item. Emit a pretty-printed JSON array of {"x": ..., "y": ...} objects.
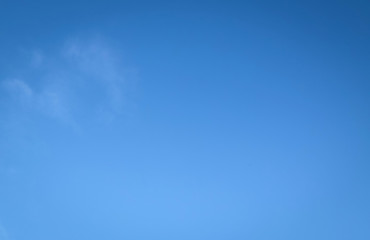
[{"x": 184, "y": 120}]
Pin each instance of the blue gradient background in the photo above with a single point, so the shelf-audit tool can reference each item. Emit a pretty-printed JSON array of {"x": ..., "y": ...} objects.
[{"x": 236, "y": 120}]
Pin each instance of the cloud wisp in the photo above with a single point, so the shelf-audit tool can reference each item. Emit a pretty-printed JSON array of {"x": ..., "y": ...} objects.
[
  {"x": 3, "y": 233},
  {"x": 83, "y": 79}
]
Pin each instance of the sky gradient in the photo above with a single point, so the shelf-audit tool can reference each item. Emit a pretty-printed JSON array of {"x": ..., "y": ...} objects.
[{"x": 184, "y": 120}]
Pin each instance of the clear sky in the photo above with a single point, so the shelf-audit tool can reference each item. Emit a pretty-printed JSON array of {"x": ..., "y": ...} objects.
[{"x": 177, "y": 120}]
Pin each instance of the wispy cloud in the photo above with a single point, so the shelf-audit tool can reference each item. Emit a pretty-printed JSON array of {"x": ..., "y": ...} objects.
[
  {"x": 3, "y": 233},
  {"x": 82, "y": 79}
]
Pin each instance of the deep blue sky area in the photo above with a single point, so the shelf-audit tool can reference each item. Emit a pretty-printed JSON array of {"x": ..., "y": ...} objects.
[{"x": 179, "y": 120}]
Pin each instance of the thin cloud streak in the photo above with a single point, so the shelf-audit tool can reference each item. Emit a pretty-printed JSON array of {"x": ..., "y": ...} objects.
[
  {"x": 3, "y": 233},
  {"x": 83, "y": 79}
]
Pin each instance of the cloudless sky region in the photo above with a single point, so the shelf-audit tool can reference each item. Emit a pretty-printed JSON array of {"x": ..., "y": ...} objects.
[{"x": 184, "y": 120}]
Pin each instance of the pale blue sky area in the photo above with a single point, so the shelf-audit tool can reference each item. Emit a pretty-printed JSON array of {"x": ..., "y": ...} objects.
[{"x": 184, "y": 120}]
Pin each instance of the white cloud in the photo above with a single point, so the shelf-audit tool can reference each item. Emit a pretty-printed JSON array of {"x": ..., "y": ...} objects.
[
  {"x": 37, "y": 58},
  {"x": 83, "y": 79},
  {"x": 19, "y": 87},
  {"x": 3, "y": 233}
]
